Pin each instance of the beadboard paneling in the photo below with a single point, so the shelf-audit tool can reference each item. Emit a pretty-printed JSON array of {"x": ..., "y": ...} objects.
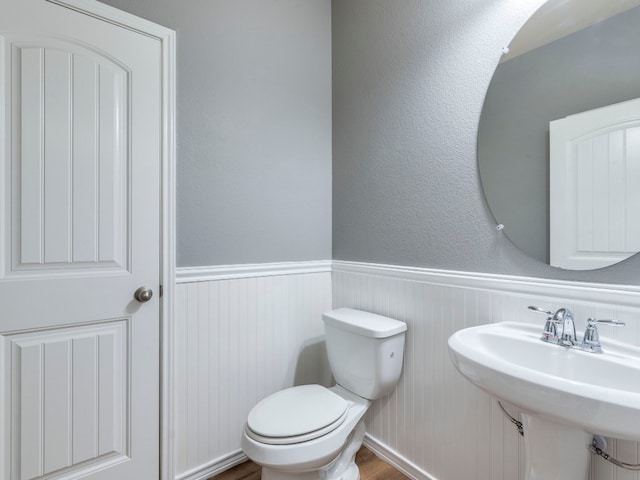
[
  {"x": 437, "y": 425},
  {"x": 238, "y": 340}
]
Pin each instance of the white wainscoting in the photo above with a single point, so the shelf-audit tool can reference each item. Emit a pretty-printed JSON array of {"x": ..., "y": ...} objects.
[
  {"x": 241, "y": 333},
  {"x": 436, "y": 425}
]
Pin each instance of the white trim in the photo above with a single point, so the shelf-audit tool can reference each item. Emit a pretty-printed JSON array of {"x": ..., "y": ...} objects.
[
  {"x": 115, "y": 16},
  {"x": 396, "y": 460},
  {"x": 167, "y": 39},
  {"x": 594, "y": 293},
  {"x": 227, "y": 272},
  {"x": 167, "y": 404},
  {"x": 219, "y": 465}
]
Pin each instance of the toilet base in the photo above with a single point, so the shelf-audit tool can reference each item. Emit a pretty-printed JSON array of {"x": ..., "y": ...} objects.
[
  {"x": 270, "y": 474},
  {"x": 343, "y": 468}
]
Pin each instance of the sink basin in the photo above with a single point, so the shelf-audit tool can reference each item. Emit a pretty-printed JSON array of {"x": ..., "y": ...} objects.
[{"x": 597, "y": 393}]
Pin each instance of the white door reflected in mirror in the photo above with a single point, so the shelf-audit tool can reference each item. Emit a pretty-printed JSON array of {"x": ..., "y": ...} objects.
[{"x": 594, "y": 200}]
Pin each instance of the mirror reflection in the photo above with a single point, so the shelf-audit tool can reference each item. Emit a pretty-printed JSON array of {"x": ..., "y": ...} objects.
[{"x": 559, "y": 135}]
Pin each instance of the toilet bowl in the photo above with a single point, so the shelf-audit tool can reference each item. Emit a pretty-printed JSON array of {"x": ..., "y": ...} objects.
[
  {"x": 310, "y": 432},
  {"x": 296, "y": 455}
]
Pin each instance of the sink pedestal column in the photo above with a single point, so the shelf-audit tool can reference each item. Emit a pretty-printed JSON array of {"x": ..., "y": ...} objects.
[{"x": 554, "y": 451}]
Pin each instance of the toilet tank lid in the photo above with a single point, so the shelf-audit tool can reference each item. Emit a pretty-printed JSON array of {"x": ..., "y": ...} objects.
[{"x": 364, "y": 323}]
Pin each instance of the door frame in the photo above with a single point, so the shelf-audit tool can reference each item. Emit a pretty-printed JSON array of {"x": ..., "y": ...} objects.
[{"x": 167, "y": 39}]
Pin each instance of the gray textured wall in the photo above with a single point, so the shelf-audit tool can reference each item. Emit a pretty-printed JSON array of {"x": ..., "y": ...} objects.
[
  {"x": 592, "y": 68},
  {"x": 409, "y": 81},
  {"x": 254, "y": 127}
]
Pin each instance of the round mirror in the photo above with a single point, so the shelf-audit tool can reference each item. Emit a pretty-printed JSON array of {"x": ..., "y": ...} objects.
[{"x": 559, "y": 135}]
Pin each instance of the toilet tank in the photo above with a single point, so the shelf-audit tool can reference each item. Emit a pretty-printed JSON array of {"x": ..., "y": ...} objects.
[{"x": 365, "y": 351}]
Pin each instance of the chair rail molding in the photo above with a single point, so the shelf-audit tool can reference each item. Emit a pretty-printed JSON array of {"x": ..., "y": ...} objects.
[
  {"x": 251, "y": 270},
  {"x": 556, "y": 290}
]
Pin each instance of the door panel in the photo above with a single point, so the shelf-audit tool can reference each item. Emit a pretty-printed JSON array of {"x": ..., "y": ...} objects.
[
  {"x": 69, "y": 123},
  {"x": 80, "y": 138},
  {"x": 70, "y": 398}
]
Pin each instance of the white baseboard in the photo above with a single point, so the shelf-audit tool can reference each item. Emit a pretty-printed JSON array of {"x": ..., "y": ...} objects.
[
  {"x": 396, "y": 460},
  {"x": 214, "y": 467},
  {"x": 380, "y": 450}
]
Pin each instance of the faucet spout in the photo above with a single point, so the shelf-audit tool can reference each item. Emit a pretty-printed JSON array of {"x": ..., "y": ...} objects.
[{"x": 564, "y": 317}]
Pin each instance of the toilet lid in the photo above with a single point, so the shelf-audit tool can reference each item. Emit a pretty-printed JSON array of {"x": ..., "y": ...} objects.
[{"x": 296, "y": 414}]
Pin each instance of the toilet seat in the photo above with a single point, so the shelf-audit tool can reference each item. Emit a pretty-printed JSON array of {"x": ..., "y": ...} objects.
[{"x": 296, "y": 415}]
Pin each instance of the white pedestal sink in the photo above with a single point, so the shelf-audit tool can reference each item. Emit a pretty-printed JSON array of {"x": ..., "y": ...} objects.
[{"x": 567, "y": 395}]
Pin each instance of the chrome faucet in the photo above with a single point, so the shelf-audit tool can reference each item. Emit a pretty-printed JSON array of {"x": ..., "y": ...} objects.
[
  {"x": 563, "y": 318},
  {"x": 567, "y": 337}
]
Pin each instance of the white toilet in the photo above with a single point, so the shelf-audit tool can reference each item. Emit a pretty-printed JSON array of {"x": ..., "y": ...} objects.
[{"x": 311, "y": 432}]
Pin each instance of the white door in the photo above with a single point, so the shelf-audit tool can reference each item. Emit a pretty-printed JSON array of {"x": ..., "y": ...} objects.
[
  {"x": 80, "y": 136},
  {"x": 595, "y": 187}
]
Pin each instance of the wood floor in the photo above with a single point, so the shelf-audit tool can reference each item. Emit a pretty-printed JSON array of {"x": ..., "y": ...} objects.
[{"x": 371, "y": 468}]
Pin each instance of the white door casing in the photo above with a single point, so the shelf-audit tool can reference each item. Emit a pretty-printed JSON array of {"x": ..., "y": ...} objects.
[
  {"x": 594, "y": 194},
  {"x": 85, "y": 151}
]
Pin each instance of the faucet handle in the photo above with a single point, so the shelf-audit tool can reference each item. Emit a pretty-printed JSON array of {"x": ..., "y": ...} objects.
[
  {"x": 613, "y": 323},
  {"x": 592, "y": 337},
  {"x": 550, "y": 331},
  {"x": 541, "y": 310}
]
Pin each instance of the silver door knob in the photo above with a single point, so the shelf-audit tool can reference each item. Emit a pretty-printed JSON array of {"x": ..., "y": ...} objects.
[{"x": 143, "y": 294}]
